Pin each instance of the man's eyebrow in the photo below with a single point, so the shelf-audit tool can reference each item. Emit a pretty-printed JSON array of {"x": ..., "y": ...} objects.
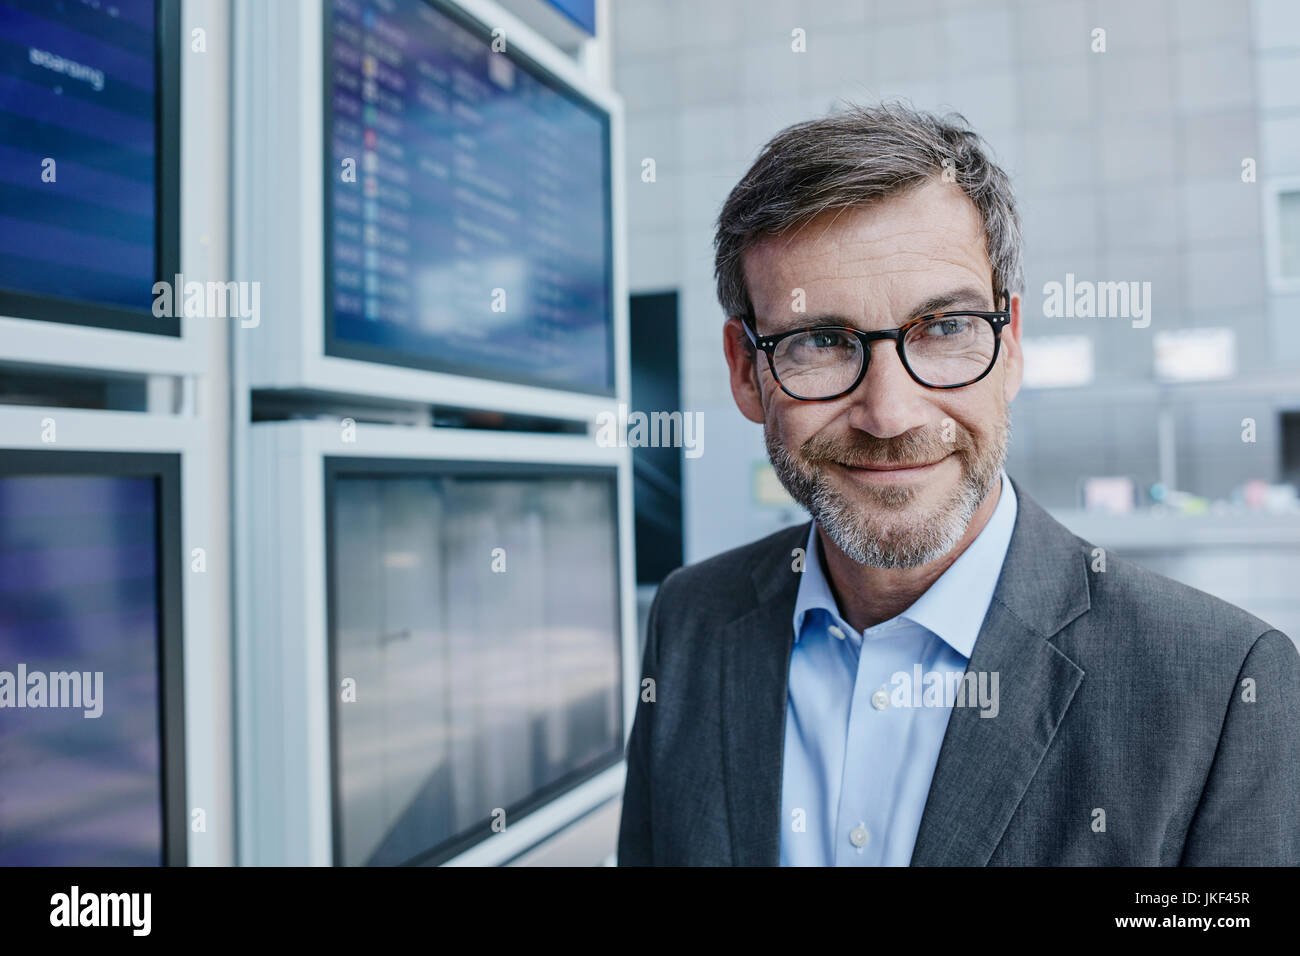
[
  {"x": 965, "y": 296},
  {"x": 808, "y": 321}
]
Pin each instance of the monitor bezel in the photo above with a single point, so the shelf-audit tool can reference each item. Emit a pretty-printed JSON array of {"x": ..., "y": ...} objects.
[
  {"x": 336, "y": 466},
  {"x": 334, "y": 346},
  {"x": 165, "y": 469},
  {"x": 167, "y": 232}
]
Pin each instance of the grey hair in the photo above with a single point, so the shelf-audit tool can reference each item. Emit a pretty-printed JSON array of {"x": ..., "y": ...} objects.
[{"x": 855, "y": 157}]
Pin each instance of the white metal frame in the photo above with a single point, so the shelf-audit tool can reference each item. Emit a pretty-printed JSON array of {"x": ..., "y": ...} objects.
[
  {"x": 279, "y": 219},
  {"x": 284, "y": 704},
  {"x": 1272, "y": 193},
  {"x": 206, "y": 775},
  {"x": 83, "y": 347}
]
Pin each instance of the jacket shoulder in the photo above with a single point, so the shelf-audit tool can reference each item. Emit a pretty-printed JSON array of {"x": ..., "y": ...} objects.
[
  {"x": 1130, "y": 583},
  {"x": 1131, "y": 611},
  {"x": 1165, "y": 615},
  {"x": 726, "y": 578}
]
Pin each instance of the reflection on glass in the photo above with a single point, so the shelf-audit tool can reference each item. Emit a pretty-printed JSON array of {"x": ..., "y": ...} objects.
[
  {"x": 469, "y": 162},
  {"x": 78, "y": 86},
  {"x": 476, "y": 688},
  {"x": 79, "y": 593}
]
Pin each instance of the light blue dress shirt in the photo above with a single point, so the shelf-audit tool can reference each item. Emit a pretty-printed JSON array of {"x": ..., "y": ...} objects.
[{"x": 862, "y": 736}]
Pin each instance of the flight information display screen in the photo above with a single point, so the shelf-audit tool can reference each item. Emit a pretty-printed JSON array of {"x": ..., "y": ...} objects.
[
  {"x": 477, "y": 617},
  {"x": 80, "y": 226},
  {"x": 468, "y": 203},
  {"x": 81, "y": 753}
]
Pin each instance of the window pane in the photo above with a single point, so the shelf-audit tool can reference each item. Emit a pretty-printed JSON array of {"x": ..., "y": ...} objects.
[{"x": 1288, "y": 205}]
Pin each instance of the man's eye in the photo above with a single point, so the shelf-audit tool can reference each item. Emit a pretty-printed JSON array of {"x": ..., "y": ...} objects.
[
  {"x": 941, "y": 328},
  {"x": 826, "y": 339}
]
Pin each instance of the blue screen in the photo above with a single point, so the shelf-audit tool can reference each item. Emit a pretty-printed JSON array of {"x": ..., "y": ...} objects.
[
  {"x": 581, "y": 12},
  {"x": 476, "y": 235},
  {"x": 77, "y": 150},
  {"x": 79, "y": 595}
]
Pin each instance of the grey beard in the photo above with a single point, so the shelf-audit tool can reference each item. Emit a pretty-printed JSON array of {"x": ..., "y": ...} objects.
[{"x": 877, "y": 543}]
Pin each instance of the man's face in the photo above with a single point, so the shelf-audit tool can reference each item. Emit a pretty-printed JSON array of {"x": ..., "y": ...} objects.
[{"x": 874, "y": 268}]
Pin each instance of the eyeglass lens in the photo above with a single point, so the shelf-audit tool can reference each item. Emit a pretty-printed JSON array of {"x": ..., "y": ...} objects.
[{"x": 946, "y": 351}]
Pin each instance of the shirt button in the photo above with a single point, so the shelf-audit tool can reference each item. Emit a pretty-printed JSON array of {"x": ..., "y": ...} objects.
[
  {"x": 880, "y": 700},
  {"x": 858, "y": 836},
  {"x": 836, "y": 631}
]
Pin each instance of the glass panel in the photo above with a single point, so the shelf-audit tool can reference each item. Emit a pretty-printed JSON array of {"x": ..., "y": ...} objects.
[
  {"x": 819, "y": 363},
  {"x": 950, "y": 350},
  {"x": 476, "y": 689},
  {"x": 80, "y": 782},
  {"x": 470, "y": 163},
  {"x": 1289, "y": 233}
]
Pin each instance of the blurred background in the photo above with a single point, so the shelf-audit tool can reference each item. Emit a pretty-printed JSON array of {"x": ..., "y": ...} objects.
[
  {"x": 351, "y": 534},
  {"x": 1172, "y": 158}
]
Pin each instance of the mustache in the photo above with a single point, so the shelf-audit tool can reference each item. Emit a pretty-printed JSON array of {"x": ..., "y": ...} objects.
[{"x": 864, "y": 450}]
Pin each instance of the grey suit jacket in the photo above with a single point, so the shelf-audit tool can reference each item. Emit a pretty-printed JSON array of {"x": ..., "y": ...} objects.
[{"x": 1174, "y": 713}]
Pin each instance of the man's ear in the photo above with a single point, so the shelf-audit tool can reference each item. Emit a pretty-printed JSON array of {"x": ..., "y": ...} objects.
[
  {"x": 742, "y": 360},
  {"x": 1015, "y": 356}
]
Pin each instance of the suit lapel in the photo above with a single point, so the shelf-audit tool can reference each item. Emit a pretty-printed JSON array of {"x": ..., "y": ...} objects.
[
  {"x": 755, "y": 663},
  {"x": 985, "y": 763}
]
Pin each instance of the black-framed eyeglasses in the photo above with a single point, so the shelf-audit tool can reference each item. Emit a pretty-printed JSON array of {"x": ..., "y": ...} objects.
[{"x": 941, "y": 350}]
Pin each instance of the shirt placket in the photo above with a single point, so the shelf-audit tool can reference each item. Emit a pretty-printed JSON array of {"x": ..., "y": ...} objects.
[{"x": 868, "y": 779}]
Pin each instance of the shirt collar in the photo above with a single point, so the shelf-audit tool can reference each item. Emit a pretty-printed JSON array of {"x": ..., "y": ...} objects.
[{"x": 953, "y": 607}]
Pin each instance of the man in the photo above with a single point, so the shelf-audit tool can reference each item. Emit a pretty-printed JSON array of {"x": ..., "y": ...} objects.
[{"x": 933, "y": 671}]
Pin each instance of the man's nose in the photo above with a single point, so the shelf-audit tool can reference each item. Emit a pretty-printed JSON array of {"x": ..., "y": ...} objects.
[{"x": 887, "y": 402}]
